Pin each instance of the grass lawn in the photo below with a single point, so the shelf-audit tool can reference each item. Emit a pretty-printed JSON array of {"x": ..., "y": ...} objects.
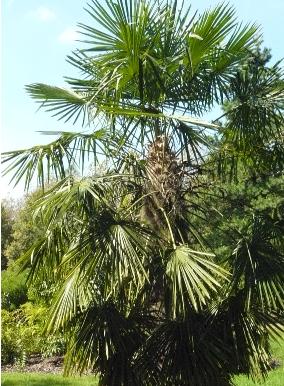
[
  {"x": 275, "y": 378},
  {"x": 33, "y": 379}
]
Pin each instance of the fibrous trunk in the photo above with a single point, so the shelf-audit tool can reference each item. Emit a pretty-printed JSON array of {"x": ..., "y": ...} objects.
[{"x": 164, "y": 185}]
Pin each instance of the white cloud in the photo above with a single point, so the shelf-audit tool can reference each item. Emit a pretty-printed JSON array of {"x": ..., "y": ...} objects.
[
  {"x": 69, "y": 35},
  {"x": 43, "y": 13}
]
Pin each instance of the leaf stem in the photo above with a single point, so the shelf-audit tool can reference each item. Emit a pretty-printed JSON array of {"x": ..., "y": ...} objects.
[{"x": 169, "y": 226}]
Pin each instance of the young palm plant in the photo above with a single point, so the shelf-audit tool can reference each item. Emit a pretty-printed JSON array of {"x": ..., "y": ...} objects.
[{"x": 141, "y": 298}]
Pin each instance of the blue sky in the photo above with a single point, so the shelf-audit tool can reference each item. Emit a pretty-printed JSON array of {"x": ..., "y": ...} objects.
[{"x": 36, "y": 37}]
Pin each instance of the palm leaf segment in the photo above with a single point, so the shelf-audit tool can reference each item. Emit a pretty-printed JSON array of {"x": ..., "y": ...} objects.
[{"x": 56, "y": 159}]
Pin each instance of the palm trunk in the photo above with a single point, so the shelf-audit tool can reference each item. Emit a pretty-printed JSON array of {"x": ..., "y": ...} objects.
[{"x": 165, "y": 179}]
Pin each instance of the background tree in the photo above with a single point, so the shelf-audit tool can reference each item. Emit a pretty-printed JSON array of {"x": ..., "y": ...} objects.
[
  {"x": 20, "y": 233},
  {"x": 24, "y": 310},
  {"x": 258, "y": 179},
  {"x": 142, "y": 297},
  {"x": 7, "y": 219},
  {"x": 24, "y": 230}
]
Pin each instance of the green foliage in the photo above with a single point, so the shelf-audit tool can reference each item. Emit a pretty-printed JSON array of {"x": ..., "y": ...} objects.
[
  {"x": 13, "y": 287},
  {"x": 25, "y": 229},
  {"x": 22, "y": 335},
  {"x": 230, "y": 207},
  {"x": 18, "y": 339},
  {"x": 7, "y": 220},
  {"x": 252, "y": 139}
]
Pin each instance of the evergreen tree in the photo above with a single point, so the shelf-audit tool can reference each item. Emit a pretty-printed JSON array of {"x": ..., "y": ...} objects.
[{"x": 143, "y": 299}]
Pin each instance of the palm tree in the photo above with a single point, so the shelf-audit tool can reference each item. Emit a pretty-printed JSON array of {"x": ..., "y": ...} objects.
[{"x": 141, "y": 298}]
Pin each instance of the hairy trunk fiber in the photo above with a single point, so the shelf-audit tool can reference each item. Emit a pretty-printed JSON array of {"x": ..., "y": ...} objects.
[{"x": 163, "y": 205}]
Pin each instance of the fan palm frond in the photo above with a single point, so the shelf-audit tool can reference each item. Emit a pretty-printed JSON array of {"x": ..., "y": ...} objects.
[
  {"x": 109, "y": 249},
  {"x": 62, "y": 102},
  {"x": 257, "y": 107},
  {"x": 258, "y": 265},
  {"x": 104, "y": 339},
  {"x": 247, "y": 332},
  {"x": 54, "y": 160},
  {"x": 184, "y": 352},
  {"x": 192, "y": 278}
]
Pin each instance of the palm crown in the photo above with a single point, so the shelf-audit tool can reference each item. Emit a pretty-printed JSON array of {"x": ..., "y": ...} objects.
[{"x": 141, "y": 297}]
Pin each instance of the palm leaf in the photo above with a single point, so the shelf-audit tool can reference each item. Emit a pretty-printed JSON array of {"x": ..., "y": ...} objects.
[
  {"x": 245, "y": 333},
  {"x": 73, "y": 295},
  {"x": 104, "y": 339},
  {"x": 214, "y": 26},
  {"x": 182, "y": 352},
  {"x": 59, "y": 101},
  {"x": 258, "y": 265},
  {"x": 59, "y": 156},
  {"x": 257, "y": 108},
  {"x": 192, "y": 278}
]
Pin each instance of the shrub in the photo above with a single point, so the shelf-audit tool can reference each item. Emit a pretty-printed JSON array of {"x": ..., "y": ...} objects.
[
  {"x": 13, "y": 287},
  {"x": 22, "y": 335},
  {"x": 9, "y": 346}
]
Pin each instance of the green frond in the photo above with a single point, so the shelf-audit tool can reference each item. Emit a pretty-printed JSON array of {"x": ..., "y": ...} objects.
[
  {"x": 184, "y": 352},
  {"x": 103, "y": 245},
  {"x": 74, "y": 296},
  {"x": 245, "y": 333},
  {"x": 256, "y": 115},
  {"x": 192, "y": 278},
  {"x": 258, "y": 265},
  {"x": 218, "y": 28},
  {"x": 61, "y": 102},
  {"x": 54, "y": 160},
  {"x": 104, "y": 340},
  {"x": 45, "y": 255},
  {"x": 213, "y": 27}
]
